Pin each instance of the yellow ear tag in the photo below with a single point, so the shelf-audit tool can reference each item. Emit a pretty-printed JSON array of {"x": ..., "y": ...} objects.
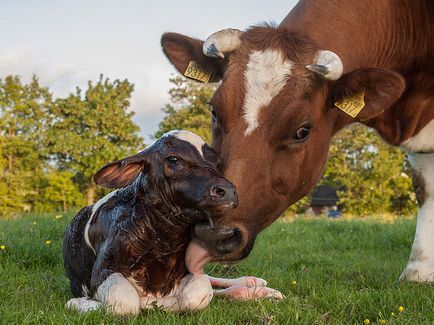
[
  {"x": 195, "y": 71},
  {"x": 352, "y": 105}
]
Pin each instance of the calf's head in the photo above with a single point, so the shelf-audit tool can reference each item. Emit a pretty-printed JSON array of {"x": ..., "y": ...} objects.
[
  {"x": 273, "y": 116},
  {"x": 178, "y": 174}
]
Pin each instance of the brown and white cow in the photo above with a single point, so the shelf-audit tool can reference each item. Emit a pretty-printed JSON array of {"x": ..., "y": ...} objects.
[{"x": 274, "y": 111}]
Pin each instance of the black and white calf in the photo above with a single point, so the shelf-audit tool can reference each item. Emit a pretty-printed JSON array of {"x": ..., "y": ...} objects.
[{"x": 127, "y": 252}]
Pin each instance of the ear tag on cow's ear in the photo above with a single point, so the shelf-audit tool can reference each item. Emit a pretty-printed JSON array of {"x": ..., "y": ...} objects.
[
  {"x": 352, "y": 105},
  {"x": 197, "y": 72}
]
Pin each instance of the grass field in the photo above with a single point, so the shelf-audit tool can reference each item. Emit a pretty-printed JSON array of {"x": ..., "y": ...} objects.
[{"x": 331, "y": 272}]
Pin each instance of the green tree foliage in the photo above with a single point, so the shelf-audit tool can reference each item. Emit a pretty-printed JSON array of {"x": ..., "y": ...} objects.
[
  {"x": 92, "y": 129},
  {"x": 371, "y": 176},
  {"x": 189, "y": 109},
  {"x": 59, "y": 192},
  {"x": 49, "y": 149},
  {"x": 24, "y": 119}
]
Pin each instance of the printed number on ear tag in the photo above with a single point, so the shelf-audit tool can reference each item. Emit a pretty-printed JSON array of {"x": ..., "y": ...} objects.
[
  {"x": 352, "y": 105},
  {"x": 195, "y": 71}
]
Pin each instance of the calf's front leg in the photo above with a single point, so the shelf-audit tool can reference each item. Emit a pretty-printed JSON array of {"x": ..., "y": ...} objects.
[{"x": 192, "y": 294}]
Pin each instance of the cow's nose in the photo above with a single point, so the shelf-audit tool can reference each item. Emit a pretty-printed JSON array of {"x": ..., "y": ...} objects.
[
  {"x": 224, "y": 193},
  {"x": 218, "y": 239}
]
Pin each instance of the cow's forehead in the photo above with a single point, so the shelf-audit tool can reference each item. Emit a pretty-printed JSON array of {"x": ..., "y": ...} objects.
[
  {"x": 190, "y": 137},
  {"x": 266, "y": 73}
]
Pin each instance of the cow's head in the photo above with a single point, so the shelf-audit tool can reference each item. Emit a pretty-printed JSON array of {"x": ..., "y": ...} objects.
[{"x": 273, "y": 117}]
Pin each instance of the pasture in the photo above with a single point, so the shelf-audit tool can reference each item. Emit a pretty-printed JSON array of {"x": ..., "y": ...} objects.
[{"x": 331, "y": 272}]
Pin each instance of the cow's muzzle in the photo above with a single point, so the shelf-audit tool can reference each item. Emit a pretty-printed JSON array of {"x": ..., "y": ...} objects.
[{"x": 219, "y": 240}]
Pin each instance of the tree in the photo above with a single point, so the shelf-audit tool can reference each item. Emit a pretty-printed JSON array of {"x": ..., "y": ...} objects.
[
  {"x": 92, "y": 129},
  {"x": 24, "y": 119},
  {"x": 60, "y": 193},
  {"x": 189, "y": 109},
  {"x": 372, "y": 176}
]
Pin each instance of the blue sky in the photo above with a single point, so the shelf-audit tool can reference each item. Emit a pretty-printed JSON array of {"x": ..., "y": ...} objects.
[{"x": 67, "y": 43}]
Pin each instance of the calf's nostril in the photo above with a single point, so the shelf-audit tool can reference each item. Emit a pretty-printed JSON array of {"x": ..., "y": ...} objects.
[{"x": 217, "y": 192}]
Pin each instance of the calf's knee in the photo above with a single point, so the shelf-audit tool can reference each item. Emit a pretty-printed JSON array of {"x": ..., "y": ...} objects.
[
  {"x": 196, "y": 293},
  {"x": 119, "y": 295}
]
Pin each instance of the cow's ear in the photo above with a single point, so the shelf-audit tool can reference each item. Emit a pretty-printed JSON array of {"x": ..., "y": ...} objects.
[
  {"x": 379, "y": 89},
  {"x": 121, "y": 173},
  {"x": 182, "y": 50}
]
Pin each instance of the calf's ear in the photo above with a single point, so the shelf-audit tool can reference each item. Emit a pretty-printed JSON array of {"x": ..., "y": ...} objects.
[
  {"x": 181, "y": 50},
  {"x": 381, "y": 88},
  {"x": 121, "y": 173}
]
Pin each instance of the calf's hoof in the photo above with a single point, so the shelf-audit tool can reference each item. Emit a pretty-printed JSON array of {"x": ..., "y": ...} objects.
[{"x": 83, "y": 305}]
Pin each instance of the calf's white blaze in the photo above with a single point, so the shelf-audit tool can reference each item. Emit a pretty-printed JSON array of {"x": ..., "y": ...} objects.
[
  {"x": 420, "y": 267},
  {"x": 266, "y": 74},
  {"x": 423, "y": 141},
  {"x": 195, "y": 140}
]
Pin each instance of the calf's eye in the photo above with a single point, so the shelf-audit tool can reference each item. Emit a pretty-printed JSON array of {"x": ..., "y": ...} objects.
[{"x": 172, "y": 160}]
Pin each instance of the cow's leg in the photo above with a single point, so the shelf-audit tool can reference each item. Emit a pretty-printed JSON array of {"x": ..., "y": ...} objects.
[
  {"x": 244, "y": 281},
  {"x": 420, "y": 267},
  {"x": 193, "y": 293},
  {"x": 245, "y": 293},
  {"x": 118, "y": 295}
]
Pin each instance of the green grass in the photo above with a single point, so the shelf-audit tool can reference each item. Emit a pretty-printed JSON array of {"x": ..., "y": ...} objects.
[{"x": 345, "y": 272}]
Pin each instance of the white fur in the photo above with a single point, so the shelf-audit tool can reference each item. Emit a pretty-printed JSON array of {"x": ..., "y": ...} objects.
[
  {"x": 423, "y": 141},
  {"x": 193, "y": 293},
  {"x": 420, "y": 267},
  {"x": 94, "y": 209},
  {"x": 195, "y": 140},
  {"x": 83, "y": 305},
  {"x": 119, "y": 295},
  {"x": 266, "y": 74}
]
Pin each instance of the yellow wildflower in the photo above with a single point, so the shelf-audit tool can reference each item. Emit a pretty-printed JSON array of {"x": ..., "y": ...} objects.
[
  {"x": 48, "y": 242},
  {"x": 58, "y": 217},
  {"x": 34, "y": 222},
  {"x": 2, "y": 247},
  {"x": 382, "y": 321},
  {"x": 366, "y": 321},
  {"x": 293, "y": 282},
  {"x": 401, "y": 309}
]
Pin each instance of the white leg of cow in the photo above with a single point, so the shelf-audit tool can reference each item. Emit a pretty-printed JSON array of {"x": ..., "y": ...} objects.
[
  {"x": 420, "y": 267},
  {"x": 245, "y": 293},
  {"x": 118, "y": 295},
  {"x": 193, "y": 293},
  {"x": 244, "y": 281}
]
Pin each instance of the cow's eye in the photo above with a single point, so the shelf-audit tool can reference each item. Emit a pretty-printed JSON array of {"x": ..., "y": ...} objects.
[
  {"x": 302, "y": 133},
  {"x": 173, "y": 160}
]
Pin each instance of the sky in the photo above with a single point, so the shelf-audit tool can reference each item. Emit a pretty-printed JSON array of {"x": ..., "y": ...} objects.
[{"x": 68, "y": 42}]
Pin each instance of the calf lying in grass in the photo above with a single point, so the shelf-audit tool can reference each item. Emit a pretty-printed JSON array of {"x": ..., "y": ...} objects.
[{"x": 127, "y": 252}]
